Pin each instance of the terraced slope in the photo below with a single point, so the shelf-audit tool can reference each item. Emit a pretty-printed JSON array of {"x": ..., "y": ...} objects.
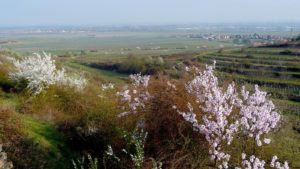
[{"x": 275, "y": 68}]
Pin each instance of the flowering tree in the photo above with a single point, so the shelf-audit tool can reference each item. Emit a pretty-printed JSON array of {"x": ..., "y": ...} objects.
[
  {"x": 218, "y": 106},
  {"x": 220, "y": 114},
  {"x": 40, "y": 71},
  {"x": 224, "y": 114},
  {"x": 135, "y": 96},
  {"x": 258, "y": 115}
]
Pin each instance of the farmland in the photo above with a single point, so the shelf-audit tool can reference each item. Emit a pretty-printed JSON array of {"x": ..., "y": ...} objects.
[{"x": 274, "y": 68}]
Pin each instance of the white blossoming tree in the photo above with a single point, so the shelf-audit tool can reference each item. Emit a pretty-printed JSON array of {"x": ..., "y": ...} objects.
[{"x": 40, "y": 71}]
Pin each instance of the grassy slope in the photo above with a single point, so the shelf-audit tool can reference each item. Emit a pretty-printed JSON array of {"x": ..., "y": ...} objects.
[
  {"x": 49, "y": 139},
  {"x": 108, "y": 76},
  {"x": 44, "y": 134}
]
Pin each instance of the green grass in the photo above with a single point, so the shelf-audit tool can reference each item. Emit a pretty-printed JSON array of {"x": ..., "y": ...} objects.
[
  {"x": 263, "y": 80},
  {"x": 109, "y": 76},
  {"x": 48, "y": 139},
  {"x": 110, "y": 42},
  {"x": 8, "y": 100},
  {"x": 42, "y": 133},
  {"x": 286, "y": 142}
]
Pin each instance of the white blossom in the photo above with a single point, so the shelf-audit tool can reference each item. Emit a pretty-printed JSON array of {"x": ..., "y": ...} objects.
[
  {"x": 138, "y": 79},
  {"x": 107, "y": 86},
  {"x": 40, "y": 71}
]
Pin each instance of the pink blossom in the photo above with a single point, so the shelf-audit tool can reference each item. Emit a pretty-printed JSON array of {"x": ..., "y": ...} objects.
[
  {"x": 136, "y": 95},
  {"x": 278, "y": 165},
  {"x": 253, "y": 162},
  {"x": 258, "y": 114}
]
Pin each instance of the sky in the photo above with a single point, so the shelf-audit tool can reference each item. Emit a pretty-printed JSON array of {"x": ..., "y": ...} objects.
[{"x": 114, "y": 12}]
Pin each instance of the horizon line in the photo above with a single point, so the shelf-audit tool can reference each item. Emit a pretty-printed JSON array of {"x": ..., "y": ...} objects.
[{"x": 151, "y": 24}]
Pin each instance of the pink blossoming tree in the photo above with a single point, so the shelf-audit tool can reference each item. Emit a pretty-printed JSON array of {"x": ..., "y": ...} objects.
[{"x": 220, "y": 114}]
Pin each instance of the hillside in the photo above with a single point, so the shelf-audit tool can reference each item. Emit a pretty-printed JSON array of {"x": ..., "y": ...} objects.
[{"x": 58, "y": 112}]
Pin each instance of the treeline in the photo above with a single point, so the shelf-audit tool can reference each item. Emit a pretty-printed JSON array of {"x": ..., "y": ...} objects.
[{"x": 133, "y": 64}]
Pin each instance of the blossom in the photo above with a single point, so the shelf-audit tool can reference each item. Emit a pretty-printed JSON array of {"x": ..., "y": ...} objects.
[
  {"x": 171, "y": 85},
  {"x": 225, "y": 113},
  {"x": 40, "y": 71},
  {"x": 107, "y": 86},
  {"x": 138, "y": 79},
  {"x": 136, "y": 96},
  {"x": 278, "y": 165},
  {"x": 243, "y": 156},
  {"x": 217, "y": 105},
  {"x": 267, "y": 141},
  {"x": 253, "y": 162},
  {"x": 258, "y": 114}
]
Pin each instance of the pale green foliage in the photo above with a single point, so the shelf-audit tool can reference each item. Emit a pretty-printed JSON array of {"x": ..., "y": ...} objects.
[
  {"x": 137, "y": 139},
  {"x": 91, "y": 163},
  {"x": 109, "y": 153}
]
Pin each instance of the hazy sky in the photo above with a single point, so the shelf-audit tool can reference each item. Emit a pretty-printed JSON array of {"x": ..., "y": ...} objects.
[{"x": 103, "y": 12}]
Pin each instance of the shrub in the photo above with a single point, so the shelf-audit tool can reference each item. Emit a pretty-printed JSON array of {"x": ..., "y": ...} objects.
[
  {"x": 5, "y": 83},
  {"x": 133, "y": 65},
  {"x": 224, "y": 115},
  {"x": 40, "y": 72},
  {"x": 286, "y": 52}
]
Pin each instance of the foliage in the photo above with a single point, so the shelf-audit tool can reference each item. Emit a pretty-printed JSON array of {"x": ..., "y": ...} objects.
[
  {"x": 5, "y": 83},
  {"x": 91, "y": 163},
  {"x": 133, "y": 65},
  {"x": 134, "y": 148},
  {"x": 137, "y": 140}
]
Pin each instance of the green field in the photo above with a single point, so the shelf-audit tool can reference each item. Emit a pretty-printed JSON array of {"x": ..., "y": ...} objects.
[{"x": 110, "y": 43}]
